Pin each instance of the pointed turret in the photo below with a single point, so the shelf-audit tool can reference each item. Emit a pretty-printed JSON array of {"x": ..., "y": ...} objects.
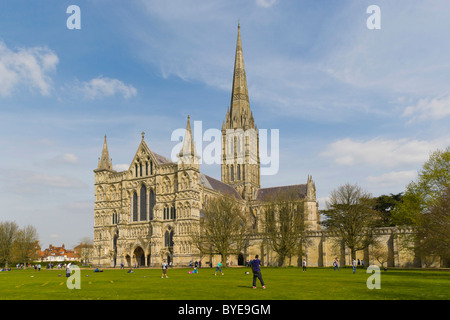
[
  {"x": 188, "y": 148},
  {"x": 310, "y": 189},
  {"x": 240, "y": 115},
  {"x": 105, "y": 162}
]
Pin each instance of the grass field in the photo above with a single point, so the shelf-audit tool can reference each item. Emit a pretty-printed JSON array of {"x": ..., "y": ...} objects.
[{"x": 281, "y": 284}]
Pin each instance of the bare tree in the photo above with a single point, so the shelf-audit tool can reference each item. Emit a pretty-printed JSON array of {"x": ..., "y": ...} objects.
[
  {"x": 223, "y": 228},
  {"x": 380, "y": 254},
  {"x": 351, "y": 215},
  {"x": 86, "y": 249},
  {"x": 284, "y": 224}
]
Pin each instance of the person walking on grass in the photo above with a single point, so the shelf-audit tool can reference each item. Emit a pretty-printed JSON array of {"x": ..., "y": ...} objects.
[
  {"x": 304, "y": 264},
  {"x": 336, "y": 264},
  {"x": 255, "y": 263},
  {"x": 164, "y": 270},
  {"x": 219, "y": 268},
  {"x": 354, "y": 265}
]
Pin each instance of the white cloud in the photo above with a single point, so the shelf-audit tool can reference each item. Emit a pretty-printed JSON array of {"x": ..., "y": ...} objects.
[
  {"x": 394, "y": 178},
  {"x": 383, "y": 152},
  {"x": 266, "y": 3},
  {"x": 29, "y": 67},
  {"x": 23, "y": 181},
  {"x": 101, "y": 87},
  {"x": 66, "y": 158},
  {"x": 121, "y": 167},
  {"x": 429, "y": 109}
]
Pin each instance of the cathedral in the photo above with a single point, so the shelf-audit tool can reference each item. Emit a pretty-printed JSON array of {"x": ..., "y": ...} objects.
[{"x": 144, "y": 215}]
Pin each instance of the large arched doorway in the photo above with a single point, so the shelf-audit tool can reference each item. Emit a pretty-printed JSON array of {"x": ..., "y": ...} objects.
[
  {"x": 139, "y": 256},
  {"x": 240, "y": 259}
]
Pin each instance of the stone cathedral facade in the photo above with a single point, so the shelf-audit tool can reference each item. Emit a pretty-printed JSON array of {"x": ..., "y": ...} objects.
[{"x": 144, "y": 215}]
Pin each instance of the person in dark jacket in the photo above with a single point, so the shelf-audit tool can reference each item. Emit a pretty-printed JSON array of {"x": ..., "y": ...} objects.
[{"x": 255, "y": 263}]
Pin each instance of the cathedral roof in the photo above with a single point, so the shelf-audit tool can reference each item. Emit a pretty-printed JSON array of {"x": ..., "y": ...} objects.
[
  {"x": 161, "y": 159},
  {"x": 218, "y": 186},
  {"x": 299, "y": 190}
]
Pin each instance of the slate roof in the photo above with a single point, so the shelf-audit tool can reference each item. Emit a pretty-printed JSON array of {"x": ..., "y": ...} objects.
[
  {"x": 161, "y": 159},
  {"x": 298, "y": 190},
  {"x": 219, "y": 186}
]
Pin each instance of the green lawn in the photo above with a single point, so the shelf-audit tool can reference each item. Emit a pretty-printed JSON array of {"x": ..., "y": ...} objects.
[{"x": 281, "y": 283}]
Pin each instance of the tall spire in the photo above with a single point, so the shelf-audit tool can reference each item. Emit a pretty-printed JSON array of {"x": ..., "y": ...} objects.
[
  {"x": 240, "y": 114},
  {"x": 105, "y": 162}
]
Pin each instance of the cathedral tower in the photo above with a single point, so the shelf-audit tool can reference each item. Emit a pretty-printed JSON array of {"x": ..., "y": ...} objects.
[{"x": 240, "y": 139}]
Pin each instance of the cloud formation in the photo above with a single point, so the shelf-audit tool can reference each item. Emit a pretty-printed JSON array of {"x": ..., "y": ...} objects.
[
  {"x": 382, "y": 152},
  {"x": 393, "y": 178},
  {"x": 29, "y": 182},
  {"x": 102, "y": 87},
  {"x": 266, "y": 3},
  {"x": 428, "y": 109},
  {"x": 28, "y": 67},
  {"x": 66, "y": 158}
]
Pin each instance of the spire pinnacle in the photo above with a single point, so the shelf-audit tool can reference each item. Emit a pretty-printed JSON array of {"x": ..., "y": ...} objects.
[
  {"x": 105, "y": 162},
  {"x": 240, "y": 113},
  {"x": 188, "y": 148}
]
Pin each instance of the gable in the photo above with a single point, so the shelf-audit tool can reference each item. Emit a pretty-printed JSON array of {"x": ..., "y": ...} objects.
[{"x": 145, "y": 155}]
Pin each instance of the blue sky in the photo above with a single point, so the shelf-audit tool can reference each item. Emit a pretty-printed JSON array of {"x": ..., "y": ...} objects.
[{"x": 351, "y": 104}]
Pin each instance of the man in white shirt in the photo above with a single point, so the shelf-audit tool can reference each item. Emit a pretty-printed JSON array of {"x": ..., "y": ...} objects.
[{"x": 164, "y": 269}]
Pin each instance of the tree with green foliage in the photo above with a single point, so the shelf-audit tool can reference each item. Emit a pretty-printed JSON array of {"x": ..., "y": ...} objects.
[
  {"x": 423, "y": 193},
  {"x": 351, "y": 216},
  {"x": 25, "y": 245},
  {"x": 8, "y": 234},
  {"x": 18, "y": 245},
  {"x": 425, "y": 207},
  {"x": 385, "y": 206}
]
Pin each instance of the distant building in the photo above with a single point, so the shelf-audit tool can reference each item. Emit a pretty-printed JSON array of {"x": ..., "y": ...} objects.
[{"x": 57, "y": 254}]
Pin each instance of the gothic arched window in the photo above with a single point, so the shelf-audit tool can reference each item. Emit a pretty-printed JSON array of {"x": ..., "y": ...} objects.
[
  {"x": 143, "y": 197},
  {"x": 168, "y": 238},
  {"x": 152, "y": 203},
  {"x": 135, "y": 207}
]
